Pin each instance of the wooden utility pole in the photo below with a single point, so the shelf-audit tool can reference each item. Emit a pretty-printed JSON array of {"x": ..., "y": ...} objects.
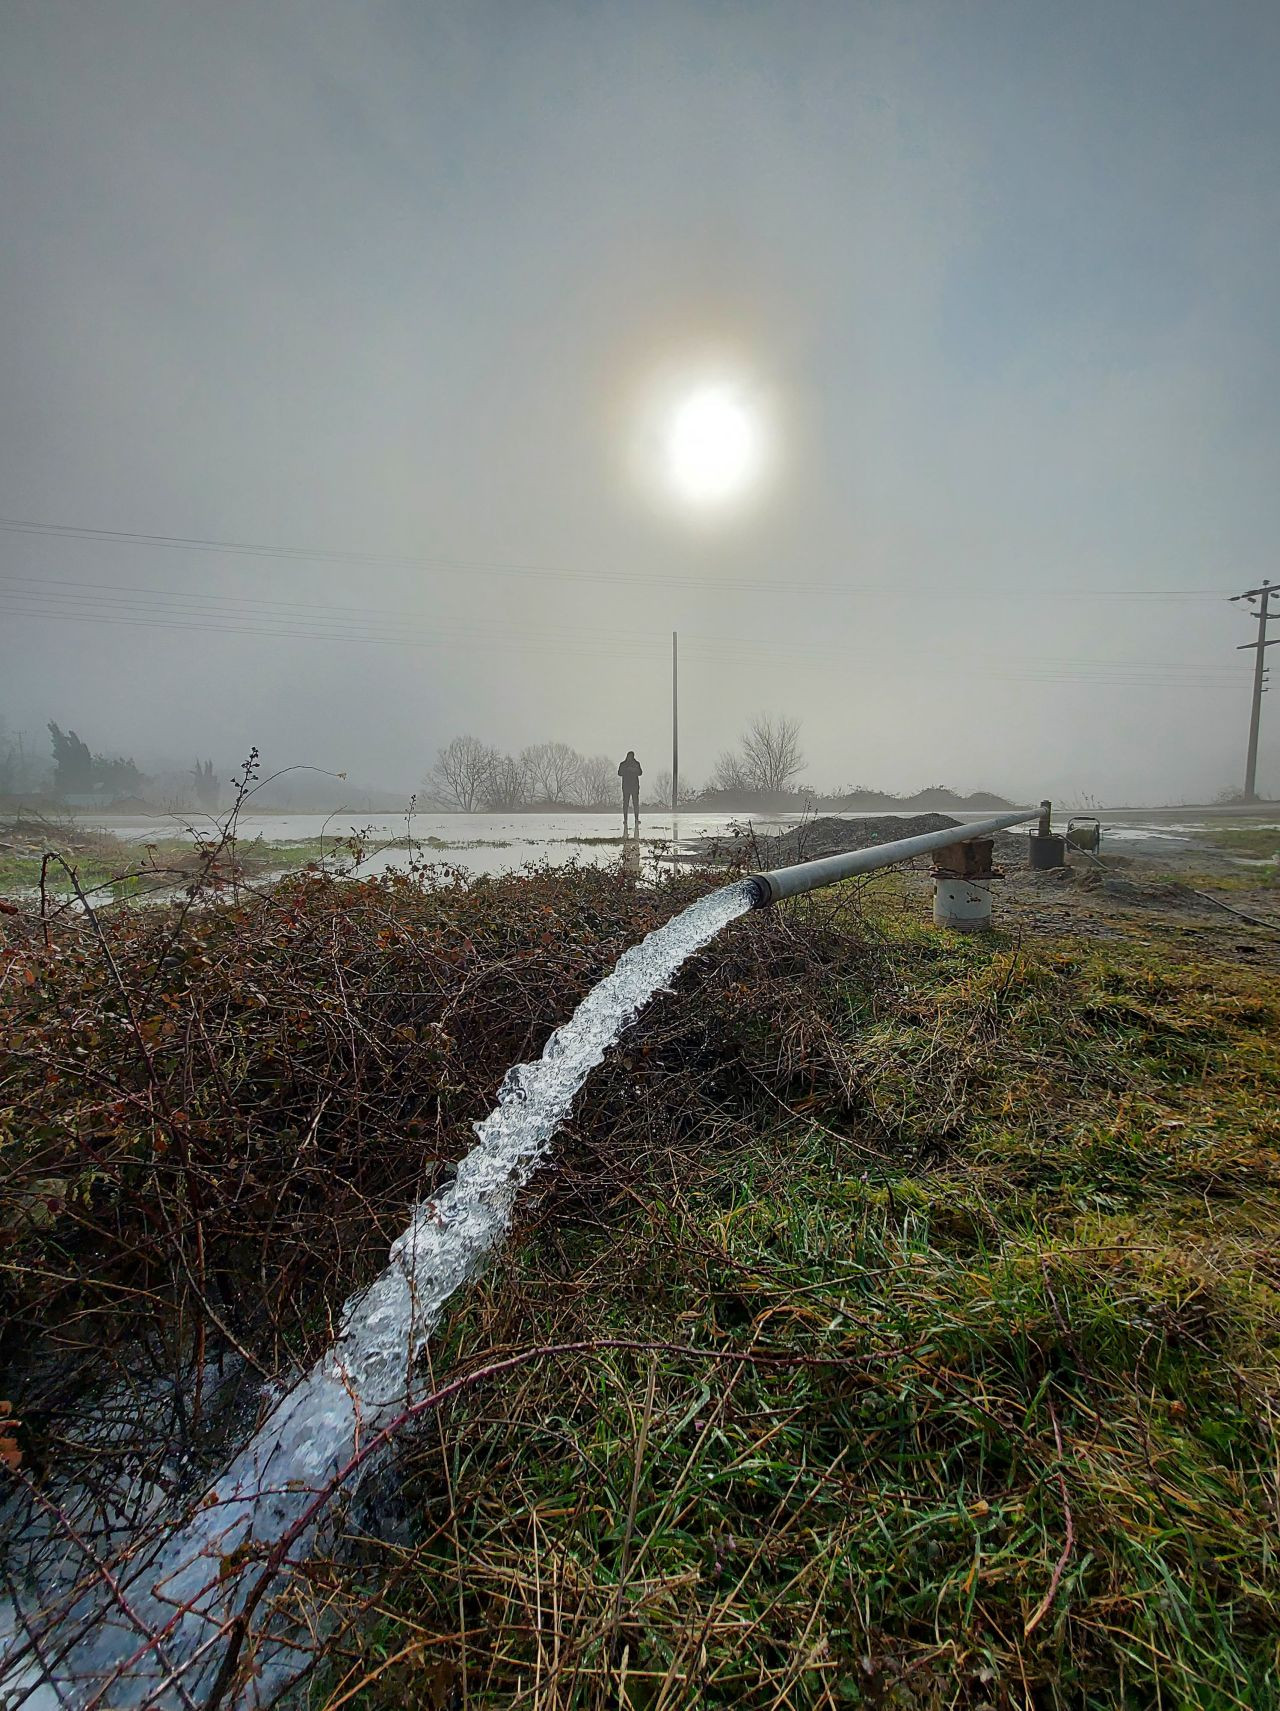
[
  {"x": 675, "y": 726},
  {"x": 1262, "y": 595}
]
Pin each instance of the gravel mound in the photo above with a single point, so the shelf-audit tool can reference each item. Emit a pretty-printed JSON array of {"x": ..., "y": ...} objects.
[{"x": 830, "y": 835}]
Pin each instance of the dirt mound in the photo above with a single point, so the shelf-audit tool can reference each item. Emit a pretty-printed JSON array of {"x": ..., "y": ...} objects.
[
  {"x": 1151, "y": 893},
  {"x": 830, "y": 835}
]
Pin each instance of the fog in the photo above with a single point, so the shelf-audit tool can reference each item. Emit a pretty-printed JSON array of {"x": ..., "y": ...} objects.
[{"x": 389, "y": 293}]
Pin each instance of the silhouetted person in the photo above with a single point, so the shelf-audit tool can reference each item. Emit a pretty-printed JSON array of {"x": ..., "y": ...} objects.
[{"x": 629, "y": 772}]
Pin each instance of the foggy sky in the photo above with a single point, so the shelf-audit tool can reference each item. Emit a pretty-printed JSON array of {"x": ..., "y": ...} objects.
[{"x": 395, "y": 280}]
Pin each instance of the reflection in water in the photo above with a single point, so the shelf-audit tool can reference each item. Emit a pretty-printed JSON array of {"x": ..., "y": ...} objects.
[{"x": 476, "y": 843}]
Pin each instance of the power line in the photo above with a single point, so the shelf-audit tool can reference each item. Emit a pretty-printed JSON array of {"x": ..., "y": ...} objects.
[
  {"x": 283, "y": 619},
  {"x": 589, "y": 645},
  {"x": 375, "y": 623},
  {"x": 669, "y": 579},
  {"x": 442, "y": 638},
  {"x": 385, "y": 623},
  {"x": 351, "y": 623}
]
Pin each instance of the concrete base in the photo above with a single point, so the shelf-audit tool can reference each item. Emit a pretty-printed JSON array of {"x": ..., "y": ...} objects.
[{"x": 961, "y": 904}]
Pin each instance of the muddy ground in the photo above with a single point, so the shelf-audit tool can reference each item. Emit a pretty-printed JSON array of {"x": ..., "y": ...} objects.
[
  {"x": 830, "y": 834},
  {"x": 1138, "y": 901}
]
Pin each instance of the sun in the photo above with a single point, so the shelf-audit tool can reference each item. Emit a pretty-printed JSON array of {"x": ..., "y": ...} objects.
[
  {"x": 704, "y": 439},
  {"x": 713, "y": 446}
]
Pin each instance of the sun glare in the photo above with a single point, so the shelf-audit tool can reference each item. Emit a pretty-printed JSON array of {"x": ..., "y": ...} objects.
[{"x": 713, "y": 446}]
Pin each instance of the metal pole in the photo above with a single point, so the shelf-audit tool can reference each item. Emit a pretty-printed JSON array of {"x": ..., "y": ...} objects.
[
  {"x": 809, "y": 875},
  {"x": 675, "y": 727},
  {"x": 1255, "y": 712}
]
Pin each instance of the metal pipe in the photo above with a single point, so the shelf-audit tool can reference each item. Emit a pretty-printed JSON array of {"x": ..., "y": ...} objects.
[{"x": 783, "y": 882}]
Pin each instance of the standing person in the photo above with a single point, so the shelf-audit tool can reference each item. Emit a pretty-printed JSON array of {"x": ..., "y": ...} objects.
[{"x": 629, "y": 771}]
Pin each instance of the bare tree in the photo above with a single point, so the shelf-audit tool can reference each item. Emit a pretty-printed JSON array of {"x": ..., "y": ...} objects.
[
  {"x": 564, "y": 769},
  {"x": 528, "y": 760},
  {"x": 660, "y": 789},
  {"x": 597, "y": 782},
  {"x": 771, "y": 754},
  {"x": 507, "y": 783},
  {"x": 458, "y": 778},
  {"x": 729, "y": 772},
  {"x": 555, "y": 769}
]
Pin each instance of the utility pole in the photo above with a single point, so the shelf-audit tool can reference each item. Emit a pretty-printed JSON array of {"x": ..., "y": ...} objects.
[
  {"x": 1262, "y": 595},
  {"x": 675, "y": 726}
]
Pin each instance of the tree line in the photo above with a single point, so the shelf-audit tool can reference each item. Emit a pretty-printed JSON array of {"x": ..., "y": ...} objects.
[
  {"x": 473, "y": 776},
  {"x": 73, "y": 770},
  {"x": 80, "y": 772}
]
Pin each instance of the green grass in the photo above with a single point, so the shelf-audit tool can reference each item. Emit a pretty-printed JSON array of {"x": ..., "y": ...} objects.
[
  {"x": 123, "y": 870},
  {"x": 21, "y": 873},
  {"x": 287, "y": 855},
  {"x": 1262, "y": 842},
  {"x": 924, "y": 1289},
  {"x": 1022, "y": 1269}
]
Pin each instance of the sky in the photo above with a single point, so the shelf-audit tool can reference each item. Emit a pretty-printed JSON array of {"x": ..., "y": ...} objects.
[{"x": 397, "y": 295}]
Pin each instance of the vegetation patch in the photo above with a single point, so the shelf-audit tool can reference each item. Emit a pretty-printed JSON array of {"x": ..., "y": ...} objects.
[
  {"x": 898, "y": 1326},
  {"x": 946, "y": 1376},
  {"x": 1261, "y": 843}
]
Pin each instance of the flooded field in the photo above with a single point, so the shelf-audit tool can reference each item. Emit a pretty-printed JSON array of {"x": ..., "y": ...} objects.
[
  {"x": 506, "y": 842},
  {"x": 154, "y": 858},
  {"x": 479, "y": 843}
]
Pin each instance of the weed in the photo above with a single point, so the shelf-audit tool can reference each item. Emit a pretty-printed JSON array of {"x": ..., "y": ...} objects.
[{"x": 900, "y": 1328}]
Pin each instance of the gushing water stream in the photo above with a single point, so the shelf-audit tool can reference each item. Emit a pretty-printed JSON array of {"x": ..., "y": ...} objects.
[{"x": 156, "y": 1635}]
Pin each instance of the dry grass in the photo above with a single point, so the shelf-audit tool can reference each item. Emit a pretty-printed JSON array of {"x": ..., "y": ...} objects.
[
  {"x": 899, "y": 1327},
  {"x": 976, "y": 1403}
]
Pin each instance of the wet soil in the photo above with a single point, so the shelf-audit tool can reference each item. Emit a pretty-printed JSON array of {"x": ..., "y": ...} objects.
[
  {"x": 831, "y": 834},
  {"x": 1190, "y": 889},
  {"x": 1126, "y": 899}
]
